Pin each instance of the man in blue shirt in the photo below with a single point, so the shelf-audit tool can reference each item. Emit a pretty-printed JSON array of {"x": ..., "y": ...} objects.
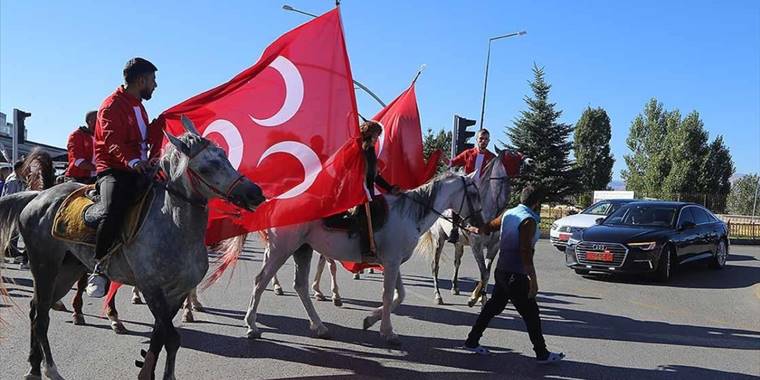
[{"x": 515, "y": 274}]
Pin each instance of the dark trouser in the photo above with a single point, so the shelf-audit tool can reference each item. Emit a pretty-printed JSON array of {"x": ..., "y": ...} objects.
[
  {"x": 511, "y": 287},
  {"x": 118, "y": 191},
  {"x": 84, "y": 180}
]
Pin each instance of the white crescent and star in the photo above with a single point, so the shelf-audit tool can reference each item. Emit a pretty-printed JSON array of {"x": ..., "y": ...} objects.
[{"x": 293, "y": 93}]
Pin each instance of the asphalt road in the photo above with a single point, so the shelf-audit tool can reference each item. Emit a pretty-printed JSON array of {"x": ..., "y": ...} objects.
[{"x": 702, "y": 325}]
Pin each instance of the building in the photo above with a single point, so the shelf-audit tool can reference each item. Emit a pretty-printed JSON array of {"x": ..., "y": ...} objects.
[{"x": 59, "y": 155}]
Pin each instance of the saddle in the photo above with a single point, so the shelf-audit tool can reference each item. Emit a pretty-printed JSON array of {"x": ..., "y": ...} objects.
[
  {"x": 349, "y": 222},
  {"x": 76, "y": 221}
]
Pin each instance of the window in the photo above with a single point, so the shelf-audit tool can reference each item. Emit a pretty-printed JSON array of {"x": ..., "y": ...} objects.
[
  {"x": 686, "y": 216},
  {"x": 644, "y": 215},
  {"x": 599, "y": 208},
  {"x": 700, "y": 216}
]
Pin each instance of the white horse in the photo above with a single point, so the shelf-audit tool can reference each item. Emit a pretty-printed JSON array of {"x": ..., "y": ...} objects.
[
  {"x": 318, "y": 295},
  {"x": 409, "y": 215},
  {"x": 495, "y": 191}
]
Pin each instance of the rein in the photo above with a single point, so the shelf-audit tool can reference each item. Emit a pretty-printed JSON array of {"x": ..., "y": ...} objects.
[{"x": 466, "y": 195}]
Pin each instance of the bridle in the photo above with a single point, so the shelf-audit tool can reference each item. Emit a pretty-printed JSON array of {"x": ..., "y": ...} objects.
[{"x": 461, "y": 206}]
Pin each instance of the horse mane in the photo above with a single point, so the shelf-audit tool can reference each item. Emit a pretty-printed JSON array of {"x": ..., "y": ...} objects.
[
  {"x": 417, "y": 202},
  {"x": 37, "y": 170}
]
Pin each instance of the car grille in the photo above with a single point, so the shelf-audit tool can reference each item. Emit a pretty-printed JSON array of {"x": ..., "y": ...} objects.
[
  {"x": 556, "y": 241},
  {"x": 618, "y": 251}
]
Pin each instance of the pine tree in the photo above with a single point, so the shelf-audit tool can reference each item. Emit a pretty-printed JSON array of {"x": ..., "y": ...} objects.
[
  {"x": 431, "y": 142},
  {"x": 538, "y": 134},
  {"x": 648, "y": 164},
  {"x": 592, "y": 151}
]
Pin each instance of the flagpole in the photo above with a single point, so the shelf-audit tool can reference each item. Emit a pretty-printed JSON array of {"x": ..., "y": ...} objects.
[
  {"x": 361, "y": 86},
  {"x": 419, "y": 71}
]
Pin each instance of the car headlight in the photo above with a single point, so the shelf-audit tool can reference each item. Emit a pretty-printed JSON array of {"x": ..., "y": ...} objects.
[
  {"x": 645, "y": 246},
  {"x": 572, "y": 241}
]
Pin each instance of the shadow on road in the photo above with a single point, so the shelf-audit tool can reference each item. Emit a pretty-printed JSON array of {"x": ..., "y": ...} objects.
[{"x": 693, "y": 275}]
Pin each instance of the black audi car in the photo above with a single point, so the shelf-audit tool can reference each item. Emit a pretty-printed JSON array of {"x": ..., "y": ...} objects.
[{"x": 649, "y": 237}]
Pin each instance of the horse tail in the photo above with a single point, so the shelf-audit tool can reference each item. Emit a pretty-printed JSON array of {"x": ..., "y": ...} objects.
[
  {"x": 426, "y": 245},
  {"x": 231, "y": 249},
  {"x": 10, "y": 209}
]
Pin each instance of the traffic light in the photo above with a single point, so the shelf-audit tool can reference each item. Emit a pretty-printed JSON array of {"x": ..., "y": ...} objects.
[
  {"x": 18, "y": 122},
  {"x": 461, "y": 135}
]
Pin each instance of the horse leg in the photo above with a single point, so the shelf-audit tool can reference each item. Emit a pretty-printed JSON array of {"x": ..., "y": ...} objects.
[
  {"x": 113, "y": 316},
  {"x": 476, "y": 294},
  {"x": 458, "y": 253},
  {"x": 276, "y": 286},
  {"x": 35, "y": 349},
  {"x": 196, "y": 304},
  {"x": 435, "y": 268},
  {"x": 267, "y": 272},
  {"x": 317, "y": 278},
  {"x": 164, "y": 335},
  {"x": 336, "y": 299},
  {"x": 492, "y": 250},
  {"x": 391, "y": 278},
  {"x": 76, "y": 303},
  {"x": 187, "y": 310},
  {"x": 136, "y": 300},
  {"x": 302, "y": 258},
  {"x": 172, "y": 342}
]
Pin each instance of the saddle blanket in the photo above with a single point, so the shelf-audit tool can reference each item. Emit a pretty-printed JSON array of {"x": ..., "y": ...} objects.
[{"x": 71, "y": 225}]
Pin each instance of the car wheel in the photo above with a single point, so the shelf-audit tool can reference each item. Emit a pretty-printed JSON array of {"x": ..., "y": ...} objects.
[
  {"x": 581, "y": 271},
  {"x": 665, "y": 266},
  {"x": 721, "y": 254}
]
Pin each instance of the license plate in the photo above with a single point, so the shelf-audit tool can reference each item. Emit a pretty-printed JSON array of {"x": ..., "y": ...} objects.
[
  {"x": 564, "y": 237},
  {"x": 599, "y": 256}
]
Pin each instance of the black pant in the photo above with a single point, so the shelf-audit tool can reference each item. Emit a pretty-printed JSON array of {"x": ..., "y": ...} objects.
[
  {"x": 84, "y": 180},
  {"x": 511, "y": 287},
  {"x": 118, "y": 191}
]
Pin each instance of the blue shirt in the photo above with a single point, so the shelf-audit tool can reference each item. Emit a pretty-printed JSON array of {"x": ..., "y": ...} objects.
[{"x": 510, "y": 259}]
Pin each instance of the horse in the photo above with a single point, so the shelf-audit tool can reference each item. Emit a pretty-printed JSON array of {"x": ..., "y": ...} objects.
[
  {"x": 495, "y": 191},
  {"x": 409, "y": 215},
  {"x": 166, "y": 258}
]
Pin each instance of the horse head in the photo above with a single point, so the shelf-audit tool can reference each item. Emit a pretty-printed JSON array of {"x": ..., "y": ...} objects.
[
  {"x": 467, "y": 203},
  {"x": 207, "y": 170},
  {"x": 495, "y": 188}
]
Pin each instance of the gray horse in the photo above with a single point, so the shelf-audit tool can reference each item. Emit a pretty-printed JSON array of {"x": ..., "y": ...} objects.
[{"x": 166, "y": 259}]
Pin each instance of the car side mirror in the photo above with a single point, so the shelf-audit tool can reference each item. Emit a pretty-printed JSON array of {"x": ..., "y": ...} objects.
[
  {"x": 599, "y": 221},
  {"x": 687, "y": 225}
]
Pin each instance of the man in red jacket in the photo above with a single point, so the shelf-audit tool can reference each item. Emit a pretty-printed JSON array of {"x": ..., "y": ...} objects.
[
  {"x": 473, "y": 160},
  {"x": 125, "y": 144},
  {"x": 81, "y": 151}
]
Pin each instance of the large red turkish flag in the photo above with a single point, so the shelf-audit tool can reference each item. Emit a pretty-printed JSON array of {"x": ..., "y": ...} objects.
[
  {"x": 400, "y": 156},
  {"x": 288, "y": 123}
]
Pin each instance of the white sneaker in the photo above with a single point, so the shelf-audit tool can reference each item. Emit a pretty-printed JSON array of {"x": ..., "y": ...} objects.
[
  {"x": 553, "y": 357},
  {"x": 96, "y": 285}
]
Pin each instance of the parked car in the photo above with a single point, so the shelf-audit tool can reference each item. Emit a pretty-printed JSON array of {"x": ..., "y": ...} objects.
[
  {"x": 563, "y": 228},
  {"x": 649, "y": 237}
]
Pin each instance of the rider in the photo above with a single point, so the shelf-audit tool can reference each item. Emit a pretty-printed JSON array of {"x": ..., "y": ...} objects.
[
  {"x": 515, "y": 273},
  {"x": 370, "y": 132},
  {"x": 80, "y": 148},
  {"x": 473, "y": 160},
  {"x": 124, "y": 142}
]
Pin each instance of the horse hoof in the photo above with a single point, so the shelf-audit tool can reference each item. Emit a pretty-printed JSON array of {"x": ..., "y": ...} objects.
[
  {"x": 199, "y": 308},
  {"x": 253, "y": 334},
  {"x": 454, "y": 292},
  {"x": 471, "y": 302},
  {"x": 31, "y": 376},
  {"x": 368, "y": 322},
  {"x": 393, "y": 340},
  {"x": 439, "y": 301},
  {"x": 278, "y": 291},
  {"x": 188, "y": 317},
  {"x": 119, "y": 328},
  {"x": 319, "y": 297},
  {"x": 337, "y": 302},
  {"x": 357, "y": 276},
  {"x": 136, "y": 300},
  {"x": 59, "y": 306},
  {"x": 78, "y": 319}
]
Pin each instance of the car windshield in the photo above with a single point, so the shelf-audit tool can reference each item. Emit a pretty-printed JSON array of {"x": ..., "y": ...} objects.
[
  {"x": 599, "y": 208},
  {"x": 643, "y": 215}
]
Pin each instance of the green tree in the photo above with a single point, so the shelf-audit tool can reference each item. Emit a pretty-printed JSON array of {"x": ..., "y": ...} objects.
[
  {"x": 538, "y": 134},
  {"x": 648, "y": 163},
  {"x": 592, "y": 151},
  {"x": 741, "y": 200},
  {"x": 687, "y": 150},
  {"x": 715, "y": 176},
  {"x": 433, "y": 141}
]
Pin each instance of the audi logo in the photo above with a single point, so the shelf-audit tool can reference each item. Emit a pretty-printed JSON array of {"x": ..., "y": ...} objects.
[{"x": 598, "y": 247}]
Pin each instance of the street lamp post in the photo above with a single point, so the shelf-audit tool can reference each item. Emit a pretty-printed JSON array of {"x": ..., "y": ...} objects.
[
  {"x": 361, "y": 86},
  {"x": 488, "y": 59}
]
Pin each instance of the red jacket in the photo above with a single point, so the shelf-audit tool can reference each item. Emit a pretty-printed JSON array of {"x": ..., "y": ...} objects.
[
  {"x": 80, "y": 148},
  {"x": 469, "y": 157},
  {"x": 123, "y": 135}
]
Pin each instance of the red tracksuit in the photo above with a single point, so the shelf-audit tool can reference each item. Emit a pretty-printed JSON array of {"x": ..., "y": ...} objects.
[{"x": 80, "y": 149}]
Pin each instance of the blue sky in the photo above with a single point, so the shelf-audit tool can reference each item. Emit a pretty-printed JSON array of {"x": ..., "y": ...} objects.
[{"x": 60, "y": 59}]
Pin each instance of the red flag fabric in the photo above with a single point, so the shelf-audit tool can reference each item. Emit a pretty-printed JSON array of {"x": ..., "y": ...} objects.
[
  {"x": 288, "y": 123},
  {"x": 400, "y": 157}
]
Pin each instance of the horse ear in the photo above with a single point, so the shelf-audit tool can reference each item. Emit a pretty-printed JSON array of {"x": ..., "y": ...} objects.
[
  {"x": 181, "y": 146},
  {"x": 189, "y": 126}
]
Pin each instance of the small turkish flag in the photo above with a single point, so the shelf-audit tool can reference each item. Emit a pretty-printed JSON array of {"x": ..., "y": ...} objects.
[{"x": 289, "y": 124}]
